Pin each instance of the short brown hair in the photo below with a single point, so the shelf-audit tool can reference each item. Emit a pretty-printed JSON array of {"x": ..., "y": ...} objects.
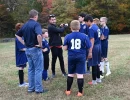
[
  {"x": 18, "y": 26},
  {"x": 96, "y": 20},
  {"x": 44, "y": 30},
  {"x": 75, "y": 25}
]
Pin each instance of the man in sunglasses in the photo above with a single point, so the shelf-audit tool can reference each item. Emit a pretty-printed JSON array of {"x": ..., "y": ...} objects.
[{"x": 55, "y": 43}]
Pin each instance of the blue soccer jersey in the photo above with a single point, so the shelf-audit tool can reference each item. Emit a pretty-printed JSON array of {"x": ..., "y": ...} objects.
[
  {"x": 105, "y": 32},
  {"x": 77, "y": 43},
  {"x": 104, "y": 42},
  {"x": 94, "y": 32},
  {"x": 45, "y": 45},
  {"x": 21, "y": 58},
  {"x": 83, "y": 29}
]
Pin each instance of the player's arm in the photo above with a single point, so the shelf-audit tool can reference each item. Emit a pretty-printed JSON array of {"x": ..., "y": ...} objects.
[
  {"x": 24, "y": 49},
  {"x": 106, "y": 33},
  {"x": 91, "y": 37},
  {"x": 90, "y": 50},
  {"x": 20, "y": 39},
  {"x": 65, "y": 47}
]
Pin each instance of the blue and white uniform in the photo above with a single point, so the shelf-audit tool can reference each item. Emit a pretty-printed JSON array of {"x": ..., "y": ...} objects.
[
  {"x": 77, "y": 43},
  {"x": 94, "y": 32},
  {"x": 104, "y": 43}
]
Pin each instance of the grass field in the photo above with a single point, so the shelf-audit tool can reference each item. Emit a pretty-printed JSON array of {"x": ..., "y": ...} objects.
[{"x": 114, "y": 87}]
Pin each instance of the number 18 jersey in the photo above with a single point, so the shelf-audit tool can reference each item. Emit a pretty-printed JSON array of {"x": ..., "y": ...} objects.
[{"x": 77, "y": 43}]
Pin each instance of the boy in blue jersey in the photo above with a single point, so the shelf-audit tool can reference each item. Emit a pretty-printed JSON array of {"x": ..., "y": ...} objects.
[
  {"x": 21, "y": 58},
  {"x": 83, "y": 29},
  {"x": 104, "y": 45},
  {"x": 83, "y": 26},
  {"x": 95, "y": 50},
  {"x": 76, "y": 43},
  {"x": 45, "y": 51}
]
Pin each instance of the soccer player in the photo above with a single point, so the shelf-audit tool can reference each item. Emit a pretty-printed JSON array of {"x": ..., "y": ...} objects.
[
  {"x": 76, "y": 43},
  {"x": 21, "y": 58},
  {"x": 45, "y": 51},
  {"x": 104, "y": 45},
  {"x": 95, "y": 51},
  {"x": 83, "y": 29},
  {"x": 96, "y": 21},
  {"x": 55, "y": 43}
]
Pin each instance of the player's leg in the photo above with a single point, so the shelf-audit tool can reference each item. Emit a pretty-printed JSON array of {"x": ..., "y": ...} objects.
[
  {"x": 21, "y": 76},
  {"x": 61, "y": 60},
  {"x": 94, "y": 76},
  {"x": 80, "y": 82},
  {"x": 80, "y": 70},
  {"x": 54, "y": 57},
  {"x": 46, "y": 65},
  {"x": 69, "y": 83},
  {"x": 98, "y": 79},
  {"x": 106, "y": 61},
  {"x": 71, "y": 72},
  {"x": 102, "y": 65},
  {"x": 107, "y": 67}
]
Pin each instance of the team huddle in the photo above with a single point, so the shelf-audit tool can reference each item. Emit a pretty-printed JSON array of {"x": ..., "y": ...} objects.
[{"x": 87, "y": 47}]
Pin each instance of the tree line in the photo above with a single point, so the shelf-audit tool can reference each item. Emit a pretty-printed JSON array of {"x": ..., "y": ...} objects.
[{"x": 13, "y": 11}]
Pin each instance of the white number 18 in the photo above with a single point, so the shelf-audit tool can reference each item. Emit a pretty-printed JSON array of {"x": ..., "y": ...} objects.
[{"x": 76, "y": 44}]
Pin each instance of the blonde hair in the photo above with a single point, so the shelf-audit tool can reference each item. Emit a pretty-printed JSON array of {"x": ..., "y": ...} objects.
[
  {"x": 104, "y": 19},
  {"x": 18, "y": 26},
  {"x": 96, "y": 20},
  {"x": 75, "y": 25},
  {"x": 44, "y": 30}
]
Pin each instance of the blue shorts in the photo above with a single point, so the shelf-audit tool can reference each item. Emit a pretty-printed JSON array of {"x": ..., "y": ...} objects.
[
  {"x": 96, "y": 56},
  {"x": 76, "y": 64},
  {"x": 104, "y": 47}
]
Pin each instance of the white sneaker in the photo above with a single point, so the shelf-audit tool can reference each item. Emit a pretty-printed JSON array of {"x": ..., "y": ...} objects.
[
  {"x": 108, "y": 73},
  {"x": 98, "y": 80},
  {"x": 101, "y": 76},
  {"x": 24, "y": 85}
]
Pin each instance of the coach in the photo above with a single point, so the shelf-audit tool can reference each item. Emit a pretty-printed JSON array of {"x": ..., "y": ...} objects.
[
  {"x": 55, "y": 43},
  {"x": 31, "y": 31}
]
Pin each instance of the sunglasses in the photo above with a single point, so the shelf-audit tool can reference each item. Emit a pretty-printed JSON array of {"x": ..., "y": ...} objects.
[{"x": 52, "y": 15}]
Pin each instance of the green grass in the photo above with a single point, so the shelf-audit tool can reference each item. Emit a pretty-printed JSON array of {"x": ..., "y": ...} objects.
[{"x": 114, "y": 87}]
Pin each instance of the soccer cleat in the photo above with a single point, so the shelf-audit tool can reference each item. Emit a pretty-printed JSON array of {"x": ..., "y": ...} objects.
[
  {"x": 53, "y": 75},
  {"x": 64, "y": 75},
  {"x": 101, "y": 76},
  {"x": 93, "y": 82},
  {"x": 98, "y": 80},
  {"x": 67, "y": 92},
  {"x": 108, "y": 73},
  {"x": 79, "y": 94}
]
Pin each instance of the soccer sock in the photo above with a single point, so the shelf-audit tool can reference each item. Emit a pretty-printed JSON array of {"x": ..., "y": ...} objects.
[
  {"x": 98, "y": 72},
  {"x": 44, "y": 74},
  {"x": 88, "y": 68},
  {"x": 101, "y": 73},
  {"x": 21, "y": 76},
  {"x": 94, "y": 72},
  {"x": 80, "y": 83},
  {"x": 69, "y": 82}
]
